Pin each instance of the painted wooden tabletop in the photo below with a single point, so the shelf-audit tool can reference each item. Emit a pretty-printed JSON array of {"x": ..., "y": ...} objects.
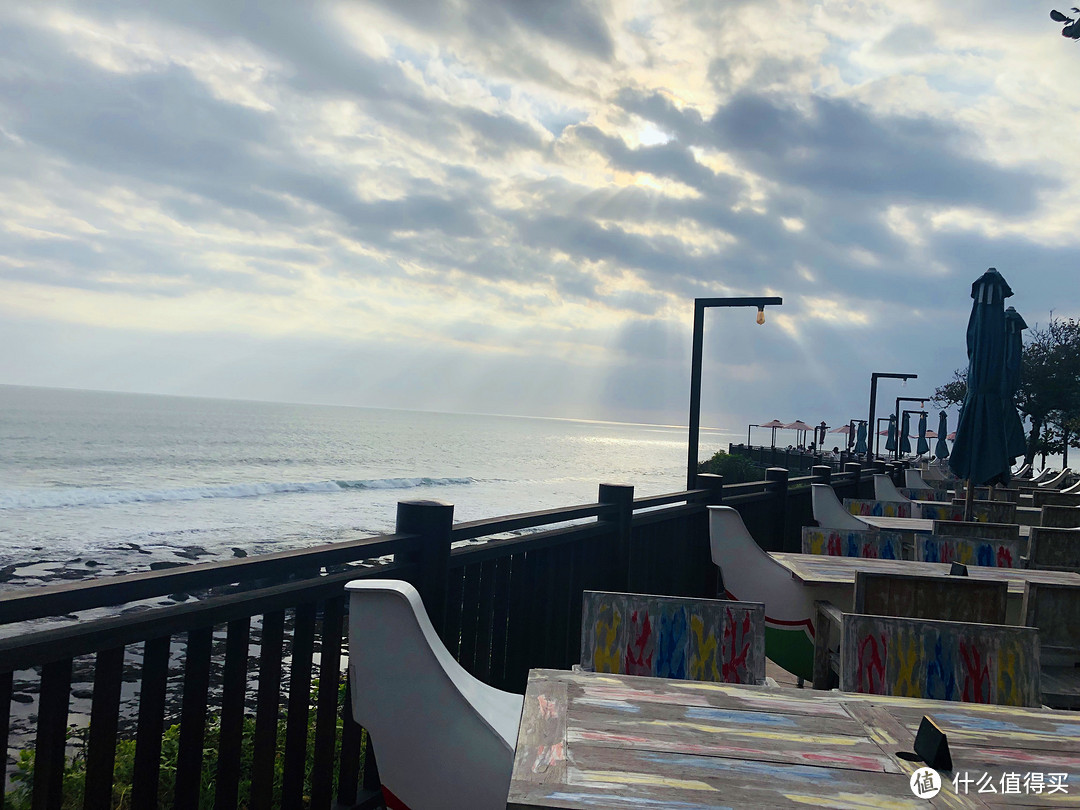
[
  {"x": 614, "y": 742},
  {"x": 920, "y": 525},
  {"x": 818, "y": 569}
]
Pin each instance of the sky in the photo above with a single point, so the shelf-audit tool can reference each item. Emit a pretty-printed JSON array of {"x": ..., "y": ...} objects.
[{"x": 508, "y": 206}]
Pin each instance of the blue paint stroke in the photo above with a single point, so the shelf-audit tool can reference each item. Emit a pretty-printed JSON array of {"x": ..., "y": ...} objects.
[
  {"x": 969, "y": 722},
  {"x": 617, "y": 705},
  {"x": 984, "y": 555},
  {"x": 735, "y": 716},
  {"x": 670, "y": 661}
]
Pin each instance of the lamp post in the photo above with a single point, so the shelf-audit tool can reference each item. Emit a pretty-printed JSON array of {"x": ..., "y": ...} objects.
[
  {"x": 921, "y": 401},
  {"x": 700, "y": 305},
  {"x": 748, "y": 434},
  {"x": 873, "y": 400}
]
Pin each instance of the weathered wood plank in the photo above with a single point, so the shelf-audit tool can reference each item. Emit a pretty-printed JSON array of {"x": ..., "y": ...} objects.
[
  {"x": 946, "y": 598},
  {"x": 1054, "y": 549}
]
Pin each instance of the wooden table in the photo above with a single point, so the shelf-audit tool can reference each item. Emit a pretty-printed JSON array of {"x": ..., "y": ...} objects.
[
  {"x": 615, "y": 742},
  {"x": 916, "y": 525},
  {"x": 819, "y": 569}
]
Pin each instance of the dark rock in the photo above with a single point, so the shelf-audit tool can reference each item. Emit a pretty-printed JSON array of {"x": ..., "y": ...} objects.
[
  {"x": 164, "y": 564},
  {"x": 82, "y": 694},
  {"x": 93, "y": 563},
  {"x": 239, "y": 552},
  {"x": 67, "y": 574},
  {"x": 179, "y": 597},
  {"x": 7, "y": 572},
  {"x": 19, "y": 697}
]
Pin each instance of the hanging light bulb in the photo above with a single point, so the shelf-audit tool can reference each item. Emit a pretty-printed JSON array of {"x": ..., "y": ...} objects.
[{"x": 760, "y": 315}]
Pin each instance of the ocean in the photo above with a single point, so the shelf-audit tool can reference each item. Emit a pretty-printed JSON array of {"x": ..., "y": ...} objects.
[{"x": 95, "y": 483}]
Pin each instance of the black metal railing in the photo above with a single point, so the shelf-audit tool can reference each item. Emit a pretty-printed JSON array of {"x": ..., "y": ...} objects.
[{"x": 253, "y": 646}]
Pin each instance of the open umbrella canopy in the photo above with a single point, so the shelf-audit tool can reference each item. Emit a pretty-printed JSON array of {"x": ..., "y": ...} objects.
[
  {"x": 1014, "y": 350},
  {"x": 845, "y": 429},
  {"x": 905, "y": 431},
  {"x": 798, "y": 424},
  {"x": 930, "y": 434},
  {"x": 890, "y": 442},
  {"x": 775, "y": 423},
  {"x": 860, "y": 439},
  {"x": 952, "y": 436},
  {"x": 923, "y": 446},
  {"x": 981, "y": 453},
  {"x": 941, "y": 450}
]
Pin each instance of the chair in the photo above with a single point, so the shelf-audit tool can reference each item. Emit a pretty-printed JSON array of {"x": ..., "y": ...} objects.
[
  {"x": 939, "y": 660},
  {"x": 1073, "y": 490},
  {"x": 1023, "y": 472},
  {"x": 830, "y": 513},
  {"x": 990, "y": 511},
  {"x": 1060, "y": 517},
  {"x": 1040, "y": 498},
  {"x": 885, "y": 489},
  {"x": 990, "y": 552},
  {"x": 1055, "y": 611},
  {"x": 673, "y": 637},
  {"x": 913, "y": 480},
  {"x": 973, "y": 528},
  {"x": 1054, "y": 549},
  {"x": 1043, "y": 475},
  {"x": 943, "y": 598},
  {"x": 1058, "y": 481},
  {"x": 443, "y": 739},
  {"x": 852, "y": 543},
  {"x": 875, "y": 508}
]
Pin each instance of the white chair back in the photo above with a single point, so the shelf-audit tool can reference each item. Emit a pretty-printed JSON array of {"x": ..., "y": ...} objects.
[
  {"x": 830, "y": 513},
  {"x": 443, "y": 739},
  {"x": 913, "y": 480},
  {"x": 885, "y": 489}
]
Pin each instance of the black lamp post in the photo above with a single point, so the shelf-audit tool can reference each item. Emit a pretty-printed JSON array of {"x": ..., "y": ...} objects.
[
  {"x": 700, "y": 305},
  {"x": 748, "y": 434},
  {"x": 873, "y": 401}
]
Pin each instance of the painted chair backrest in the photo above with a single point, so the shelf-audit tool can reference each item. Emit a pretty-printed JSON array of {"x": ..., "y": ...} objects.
[
  {"x": 913, "y": 479},
  {"x": 1044, "y": 475},
  {"x": 944, "y": 598},
  {"x": 973, "y": 528},
  {"x": 443, "y": 739},
  {"x": 942, "y": 495},
  {"x": 829, "y": 512},
  {"x": 997, "y": 494},
  {"x": 1060, "y": 517},
  {"x": 673, "y": 637},
  {"x": 1023, "y": 472},
  {"x": 1057, "y": 481},
  {"x": 990, "y": 511},
  {"x": 993, "y": 553},
  {"x": 1073, "y": 490},
  {"x": 1041, "y": 498},
  {"x": 868, "y": 508},
  {"x": 1054, "y": 549},
  {"x": 852, "y": 543},
  {"x": 921, "y": 658},
  {"x": 1055, "y": 610},
  {"x": 885, "y": 489}
]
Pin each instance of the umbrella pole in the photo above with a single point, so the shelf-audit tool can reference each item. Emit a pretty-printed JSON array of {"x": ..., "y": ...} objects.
[{"x": 969, "y": 500}]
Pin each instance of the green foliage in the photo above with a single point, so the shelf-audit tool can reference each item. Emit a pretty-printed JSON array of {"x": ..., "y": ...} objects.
[
  {"x": 735, "y": 469},
  {"x": 124, "y": 770}
]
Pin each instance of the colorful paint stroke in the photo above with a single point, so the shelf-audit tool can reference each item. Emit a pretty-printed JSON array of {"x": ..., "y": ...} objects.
[
  {"x": 868, "y": 508},
  {"x": 973, "y": 663},
  {"x": 851, "y": 543},
  {"x": 919, "y": 494},
  {"x": 673, "y": 637},
  {"x": 967, "y": 550}
]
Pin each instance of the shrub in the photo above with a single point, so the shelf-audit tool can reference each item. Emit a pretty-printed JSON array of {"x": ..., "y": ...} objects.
[{"x": 735, "y": 469}]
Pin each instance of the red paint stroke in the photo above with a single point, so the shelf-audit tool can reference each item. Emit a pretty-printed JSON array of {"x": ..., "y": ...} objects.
[
  {"x": 639, "y": 664},
  {"x": 869, "y": 551},
  {"x": 976, "y": 674},
  {"x": 832, "y": 545},
  {"x": 548, "y": 707},
  {"x": 733, "y": 665},
  {"x": 392, "y": 802},
  {"x": 1004, "y": 557},
  {"x": 806, "y": 624},
  {"x": 871, "y": 665}
]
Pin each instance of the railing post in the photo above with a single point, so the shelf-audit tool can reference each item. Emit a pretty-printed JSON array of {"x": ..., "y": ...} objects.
[
  {"x": 822, "y": 473},
  {"x": 431, "y": 520},
  {"x": 854, "y": 471},
  {"x": 778, "y": 477},
  {"x": 621, "y": 496},
  {"x": 715, "y": 484}
]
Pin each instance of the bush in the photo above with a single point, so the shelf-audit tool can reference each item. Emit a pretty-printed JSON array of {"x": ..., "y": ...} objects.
[{"x": 735, "y": 469}]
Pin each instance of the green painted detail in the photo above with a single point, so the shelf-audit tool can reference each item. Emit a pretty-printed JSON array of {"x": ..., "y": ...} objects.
[{"x": 791, "y": 649}]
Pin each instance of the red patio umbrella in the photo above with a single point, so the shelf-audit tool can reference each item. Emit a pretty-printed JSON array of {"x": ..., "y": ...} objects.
[
  {"x": 774, "y": 424},
  {"x": 799, "y": 426}
]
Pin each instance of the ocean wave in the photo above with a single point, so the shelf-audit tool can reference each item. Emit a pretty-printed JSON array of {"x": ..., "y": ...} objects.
[{"x": 55, "y": 498}]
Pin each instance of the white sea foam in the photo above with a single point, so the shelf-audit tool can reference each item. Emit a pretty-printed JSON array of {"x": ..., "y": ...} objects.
[{"x": 55, "y": 498}]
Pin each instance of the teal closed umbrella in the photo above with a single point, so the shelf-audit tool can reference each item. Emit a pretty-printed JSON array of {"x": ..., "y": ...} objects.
[
  {"x": 941, "y": 450},
  {"x": 923, "y": 446},
  {"x": 860, "y": 439},
  {"x": 1014, "y": 350},
  {"x": 980, "y": 452},
  {"x": 905, "y": 429},
  {"x": 890, "y": 440}
]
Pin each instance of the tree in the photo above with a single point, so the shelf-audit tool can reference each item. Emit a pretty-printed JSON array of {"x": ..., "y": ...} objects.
[
  {"x": 1072, "y": 27},
  {"x": 1049, "y": 395}
]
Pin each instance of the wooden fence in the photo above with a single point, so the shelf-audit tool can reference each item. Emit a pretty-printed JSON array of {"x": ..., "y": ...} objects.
[{"x": 506, "y": 601}]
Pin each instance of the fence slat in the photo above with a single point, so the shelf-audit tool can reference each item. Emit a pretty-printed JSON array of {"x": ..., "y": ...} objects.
[
  {"x": 51, "y": 735},
  {"x": 482, "y": 667},
  {"x": 454, "y": 587},
  {"x": 349, "y": 756},
  {"x": 104, "y": 717},
  {"x": 6, "y": 679},
  {"x": 193, "y": 718},
  {"x": 267, "y": 710},
  {"x": 233, "y": 692},
  {"x": 470, "y": 622},
  {"x": 155, "y": 674},
  {"x": 500, "y": 612},
  {"x": 295, "y": 756},
  {"x": 322, "y": 768}
]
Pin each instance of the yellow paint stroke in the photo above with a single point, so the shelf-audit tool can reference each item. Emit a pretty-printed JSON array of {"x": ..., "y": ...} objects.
[
  {"x": 853, "y": 801},
  {"x": 907, "y": 658},
  {"x": 620, "y": 778},
  {"x": 1008, "y": 686},
  {"x": 966, "y": 553},
  {"x": 819, "y": 739},
  {"x": 699, "y": 666},
  {"x": 605, "y": 657}
]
